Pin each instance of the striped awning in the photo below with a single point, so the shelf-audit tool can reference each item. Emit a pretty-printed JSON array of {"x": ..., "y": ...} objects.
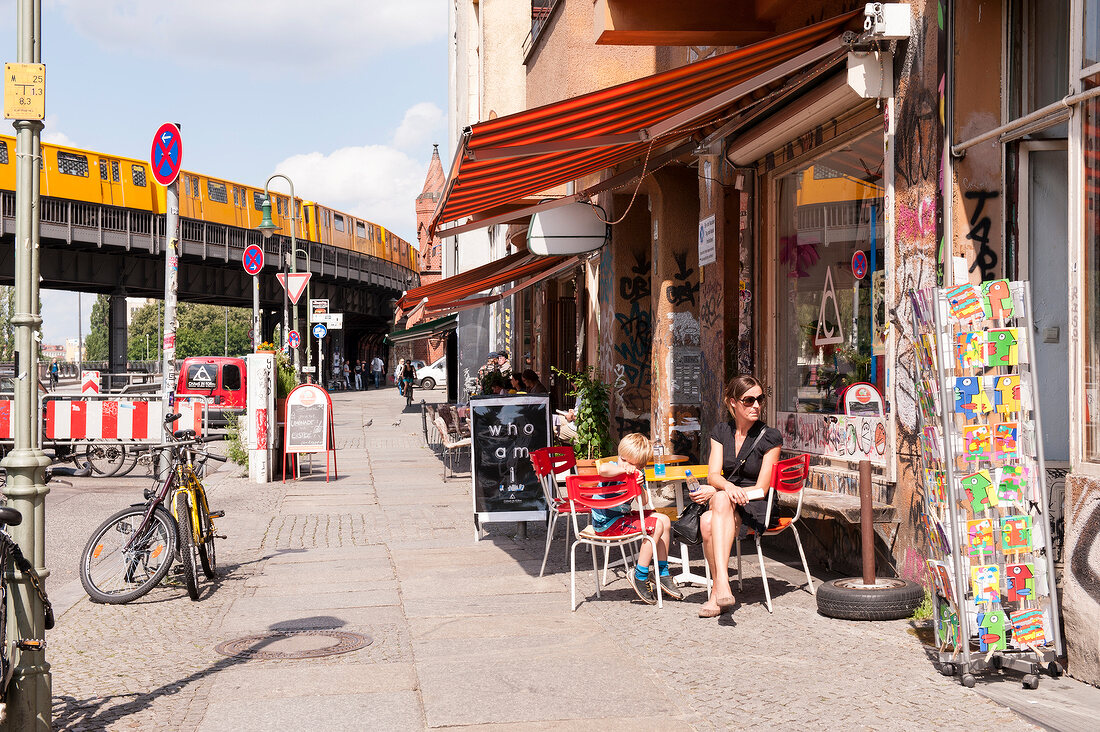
[
  {"x": 504, "y": 160},
  {"x": 447, "y": 293}
]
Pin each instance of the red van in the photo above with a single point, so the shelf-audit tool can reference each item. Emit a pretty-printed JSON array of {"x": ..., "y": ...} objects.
[{"x": 222, "y": 379}]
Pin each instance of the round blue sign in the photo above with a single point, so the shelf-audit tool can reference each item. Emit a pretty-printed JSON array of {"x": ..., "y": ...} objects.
[
  {"x": 253, "y": 259},
  {"x": 166, "y": 154},
  {"x": 859, "y": 264},
  {"x": 320, "y": 331}
]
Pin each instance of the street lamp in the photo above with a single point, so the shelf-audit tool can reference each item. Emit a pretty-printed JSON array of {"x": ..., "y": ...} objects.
[{"x": 268, "y": 227}]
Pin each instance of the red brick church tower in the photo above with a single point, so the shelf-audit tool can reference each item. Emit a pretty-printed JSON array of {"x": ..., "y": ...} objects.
[{"x": 431, "y": 250}]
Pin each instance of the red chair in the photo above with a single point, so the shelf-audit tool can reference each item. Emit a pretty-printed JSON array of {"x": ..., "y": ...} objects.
[
  {"x": 549, "y": 463},
  {"x": 789, "y": 476},
  {"x": 594, "y": 491}
]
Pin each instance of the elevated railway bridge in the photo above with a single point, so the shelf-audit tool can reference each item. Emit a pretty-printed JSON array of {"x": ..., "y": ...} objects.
[{"x": 90, "y": 247}]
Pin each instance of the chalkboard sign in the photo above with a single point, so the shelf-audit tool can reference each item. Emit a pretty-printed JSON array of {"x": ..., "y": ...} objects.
[
  {"x": 308, "y": 419},
  {"x": 504, "y": 431}
]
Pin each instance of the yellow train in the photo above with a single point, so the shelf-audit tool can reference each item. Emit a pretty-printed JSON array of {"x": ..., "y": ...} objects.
[{"x": 84, "y": 175}]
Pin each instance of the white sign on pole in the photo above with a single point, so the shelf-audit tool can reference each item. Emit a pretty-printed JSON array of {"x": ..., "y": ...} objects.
[
  {"x": 706, "y": 241},
  {"x": 334, "y": 321},
  {"x": 317, "y": 307}
]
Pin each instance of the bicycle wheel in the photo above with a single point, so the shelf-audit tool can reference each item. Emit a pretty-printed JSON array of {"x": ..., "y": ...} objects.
[
  {"x": 131, "y": 460},
  {"x": 187, "y": 545},
  {"x": 118, "y": 566},
  {"x": 105, "y": 458},
  {"x": 207, "y": 555}
]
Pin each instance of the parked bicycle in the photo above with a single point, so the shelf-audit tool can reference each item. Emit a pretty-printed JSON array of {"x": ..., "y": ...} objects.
[
  {"x": 132, "y": 551},
  {"x": 10, "y": 552}
]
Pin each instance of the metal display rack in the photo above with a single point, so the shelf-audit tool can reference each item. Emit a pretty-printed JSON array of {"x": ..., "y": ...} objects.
[{"x": 984, "y": 481}]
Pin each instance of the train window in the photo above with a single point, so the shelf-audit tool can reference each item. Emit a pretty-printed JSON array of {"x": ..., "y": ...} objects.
[
  {"x": 338, "y": 222},
  {"x": 194, "y": 185},
  {"x": 236, "y": 197},
  {"x": 305, "y": 214},
  {"x": 370, "y": 232},
  {"x": 72, "y": 164},
  {"x": 3, "y": 152},
  {"x": 103, "y": 169},
  {"x": 360, "y": 229},
  {"x": 258, "y": 200},
  {"x": 216, "y": 192},
  {"x": 115, "y": 172},
  {"x": 139, "y": 175}
]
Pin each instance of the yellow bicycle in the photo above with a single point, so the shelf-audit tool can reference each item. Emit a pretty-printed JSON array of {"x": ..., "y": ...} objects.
[{"x": 191, "y": 511}]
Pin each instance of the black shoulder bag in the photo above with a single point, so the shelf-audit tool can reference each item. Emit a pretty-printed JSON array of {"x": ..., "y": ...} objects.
[{"x": 686, "y": 527}]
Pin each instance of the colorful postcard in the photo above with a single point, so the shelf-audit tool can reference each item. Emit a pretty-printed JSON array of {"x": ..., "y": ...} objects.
[
  {"x": 977, "y": 441},
  {"x": 1006, "y": 393},
  {"x": 1029, "y": 628},
  {"x": 978, "y": 491},
  {"x": 1015, "y": 534},
  {"x": 1020, "y": 581},
  {"x": 926, "y": 398},
  {"x": 991, "y": 631},
  {"x": 941, "y": 580},
  {"x": 981, "y": 537},
  {"x": 969, "y": 347},
  {"x": 970, "y": 398},
  {"x": 985, "y": 582},
  {"x": 1012, "y": 485},
  {"x": 947, "y": 625},
  {"x": 998, "y": 299},
  {"x": 926, "y": 352},
  {"x": 1005, "y": 445},
  {"x": 965, "y": 302},
  {"x": 1001, "y": 347}
]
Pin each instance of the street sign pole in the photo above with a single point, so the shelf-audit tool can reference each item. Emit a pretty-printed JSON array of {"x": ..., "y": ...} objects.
[
  {"x": 28, "y": 702},
  {"x": 255, "y": 313}
]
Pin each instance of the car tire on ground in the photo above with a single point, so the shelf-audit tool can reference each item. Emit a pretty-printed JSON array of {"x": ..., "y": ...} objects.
[
  {"x": 428, "y": 383},
  {"x": 890, "y": 598}
]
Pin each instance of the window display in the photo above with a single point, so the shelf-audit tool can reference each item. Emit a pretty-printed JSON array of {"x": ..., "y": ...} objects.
[{"x": 830, "y": 277}]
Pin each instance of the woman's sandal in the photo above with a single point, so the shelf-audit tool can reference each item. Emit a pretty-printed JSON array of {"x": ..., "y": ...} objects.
[{"x": 707, "y": 612}]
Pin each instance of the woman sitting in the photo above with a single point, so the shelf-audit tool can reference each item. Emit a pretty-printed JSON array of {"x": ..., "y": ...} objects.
[
  {"x": 534, "y": 383},
  {"x": 743, "y": 453}
]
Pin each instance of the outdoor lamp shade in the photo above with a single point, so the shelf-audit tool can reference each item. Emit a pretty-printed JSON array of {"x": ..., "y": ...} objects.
[
  {"x": 267, "y": 226},
  {"x": 570, "y": 229}
]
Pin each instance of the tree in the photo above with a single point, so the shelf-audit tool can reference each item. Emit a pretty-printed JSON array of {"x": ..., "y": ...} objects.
[
  {"x": 202, "y": 330},
  {"x": 95, "y": 345},
  {"x": 143, "y": 335}
]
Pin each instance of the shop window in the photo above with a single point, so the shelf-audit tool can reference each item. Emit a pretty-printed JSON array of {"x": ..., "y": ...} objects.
[
  {"x": 1038, "y": 67},
  {"x": 137, "y": 173},
  {"x": 829, "y": 330},
  {"x": 71, "y": 164},
  {"x": 216, "y": 192},
  {"x": 1090, "y": 330},
  {"x": 1091, "y": 31}
]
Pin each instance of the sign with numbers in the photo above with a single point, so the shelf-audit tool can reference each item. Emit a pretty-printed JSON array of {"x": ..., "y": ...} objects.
[{"x": 24, "y": 91}]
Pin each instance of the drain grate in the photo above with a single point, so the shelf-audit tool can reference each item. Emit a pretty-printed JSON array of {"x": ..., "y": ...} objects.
[{"x": 281, "y": 645}]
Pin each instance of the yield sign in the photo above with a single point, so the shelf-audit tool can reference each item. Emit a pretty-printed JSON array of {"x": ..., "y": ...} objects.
[
  {"x": 166, "y": 155},
  {"x": 294, "y": 284}
]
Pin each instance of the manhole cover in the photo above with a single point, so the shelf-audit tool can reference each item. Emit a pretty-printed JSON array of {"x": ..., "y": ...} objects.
[{"x": 288, "y": 644}]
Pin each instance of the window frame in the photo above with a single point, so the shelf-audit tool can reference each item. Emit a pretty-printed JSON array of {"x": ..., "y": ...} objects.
[
  {"x": 70, "y": 158},
  {"x": 135, "y": 169},
  {"x": 222, "y": 195}
]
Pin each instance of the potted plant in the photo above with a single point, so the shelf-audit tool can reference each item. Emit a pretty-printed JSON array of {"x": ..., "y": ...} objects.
[{"x": 593, "y": 416}]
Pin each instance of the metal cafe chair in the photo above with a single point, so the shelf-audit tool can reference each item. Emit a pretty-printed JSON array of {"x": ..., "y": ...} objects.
[
  {"x": 594, "y": 491},
  {"x": 789, "y": 476},
  {"x": 550, "y": 463}
]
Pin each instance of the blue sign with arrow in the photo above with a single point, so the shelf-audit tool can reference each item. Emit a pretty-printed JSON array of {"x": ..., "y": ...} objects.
[{"x": 320, "y": 331}]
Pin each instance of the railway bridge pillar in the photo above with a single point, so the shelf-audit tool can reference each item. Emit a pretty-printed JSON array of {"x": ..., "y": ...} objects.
[{"x": 117, "y": 343}]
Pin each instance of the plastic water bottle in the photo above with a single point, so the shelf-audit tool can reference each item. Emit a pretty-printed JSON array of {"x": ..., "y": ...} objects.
[
  {"x": 658, "y": 459},
  {"x": 692, "y": 481}
]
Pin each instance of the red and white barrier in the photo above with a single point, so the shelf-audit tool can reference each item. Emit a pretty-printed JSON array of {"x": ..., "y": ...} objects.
[
  {"x": 103, "y": 419},
  {"x": 7, "y": 420},
  {"x": 191, "y": 413}
]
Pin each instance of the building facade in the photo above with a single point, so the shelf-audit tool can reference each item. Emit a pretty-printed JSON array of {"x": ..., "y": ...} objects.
[{"x": 960, "y": 153}]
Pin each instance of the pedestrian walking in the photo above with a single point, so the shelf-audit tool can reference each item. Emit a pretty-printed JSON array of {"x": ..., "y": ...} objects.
[
  {"x": 397, "y": 376},
  {"x": 376, "y": 368},
  {"x": 359, "y": 375}
]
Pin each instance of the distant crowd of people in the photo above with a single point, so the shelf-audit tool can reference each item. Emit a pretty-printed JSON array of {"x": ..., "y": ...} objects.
[
  {"x": 353, "y": 376},
  {"x": 497, "y": 377}
]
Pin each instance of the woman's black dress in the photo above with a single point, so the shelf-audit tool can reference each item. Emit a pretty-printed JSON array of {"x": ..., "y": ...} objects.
[{"x": 752, "y": 513}]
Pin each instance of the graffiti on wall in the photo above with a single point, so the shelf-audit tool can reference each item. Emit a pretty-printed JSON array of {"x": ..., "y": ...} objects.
[
  {"x": 835, "y": 435},
  {"x": 985, "y": 259},
  {"x": 633, "y": 341},
  {"x": 683, "y": 291}
]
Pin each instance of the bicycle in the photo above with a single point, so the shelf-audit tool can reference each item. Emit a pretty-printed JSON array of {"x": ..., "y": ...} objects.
[
  {"x": 132, "y": 551},
  {"x": 9, "y": 549},
  {"x": 408, "y": 392}
]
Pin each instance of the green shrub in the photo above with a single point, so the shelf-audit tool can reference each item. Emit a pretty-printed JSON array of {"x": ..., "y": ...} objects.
[
  {"x": 235, "y": 448},
  {"x": 924, "y": 610},
  {"x": 593, "y": 438}
]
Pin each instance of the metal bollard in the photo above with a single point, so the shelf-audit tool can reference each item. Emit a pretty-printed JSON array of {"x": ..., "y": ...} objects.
[{"x": 866, "y": 522}]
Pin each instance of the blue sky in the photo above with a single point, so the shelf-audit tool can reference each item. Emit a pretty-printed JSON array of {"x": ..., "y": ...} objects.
[{"x": 346, "y": 97}]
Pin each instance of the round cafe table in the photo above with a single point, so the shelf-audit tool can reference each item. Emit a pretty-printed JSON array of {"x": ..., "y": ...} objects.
[{"x": 678, "y": 474}]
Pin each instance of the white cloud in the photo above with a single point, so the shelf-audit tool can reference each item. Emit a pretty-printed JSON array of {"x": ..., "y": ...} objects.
[
  {"x": 324, "y": 36},
  {"x": 377, "y": 182},
  {"x": 52, "y": 134},
  {"x": 424, "y": 123}
]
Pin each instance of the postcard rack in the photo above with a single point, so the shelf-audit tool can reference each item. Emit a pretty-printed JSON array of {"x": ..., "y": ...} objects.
[{"x": 985, "y": 499}]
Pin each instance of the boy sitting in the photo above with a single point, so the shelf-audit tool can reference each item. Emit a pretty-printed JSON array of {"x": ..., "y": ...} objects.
[{"x": 634, "y": 453}]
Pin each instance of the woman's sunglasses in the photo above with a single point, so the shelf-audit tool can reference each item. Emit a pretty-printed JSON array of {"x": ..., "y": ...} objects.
[{"x": 751, "y": 400}]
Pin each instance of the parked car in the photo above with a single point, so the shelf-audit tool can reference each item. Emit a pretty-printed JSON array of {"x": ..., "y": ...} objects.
[
  {"x": 432, "y": 376},
  {"x": 223, "y": 380}
]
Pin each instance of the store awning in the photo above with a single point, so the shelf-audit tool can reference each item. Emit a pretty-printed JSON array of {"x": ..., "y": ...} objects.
[
  {"x": 562, "y": 264},
  {"x": 447, "y": 292},
  {"x": 424, "y": 330},
  {"x": 501, "y": 161}
]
